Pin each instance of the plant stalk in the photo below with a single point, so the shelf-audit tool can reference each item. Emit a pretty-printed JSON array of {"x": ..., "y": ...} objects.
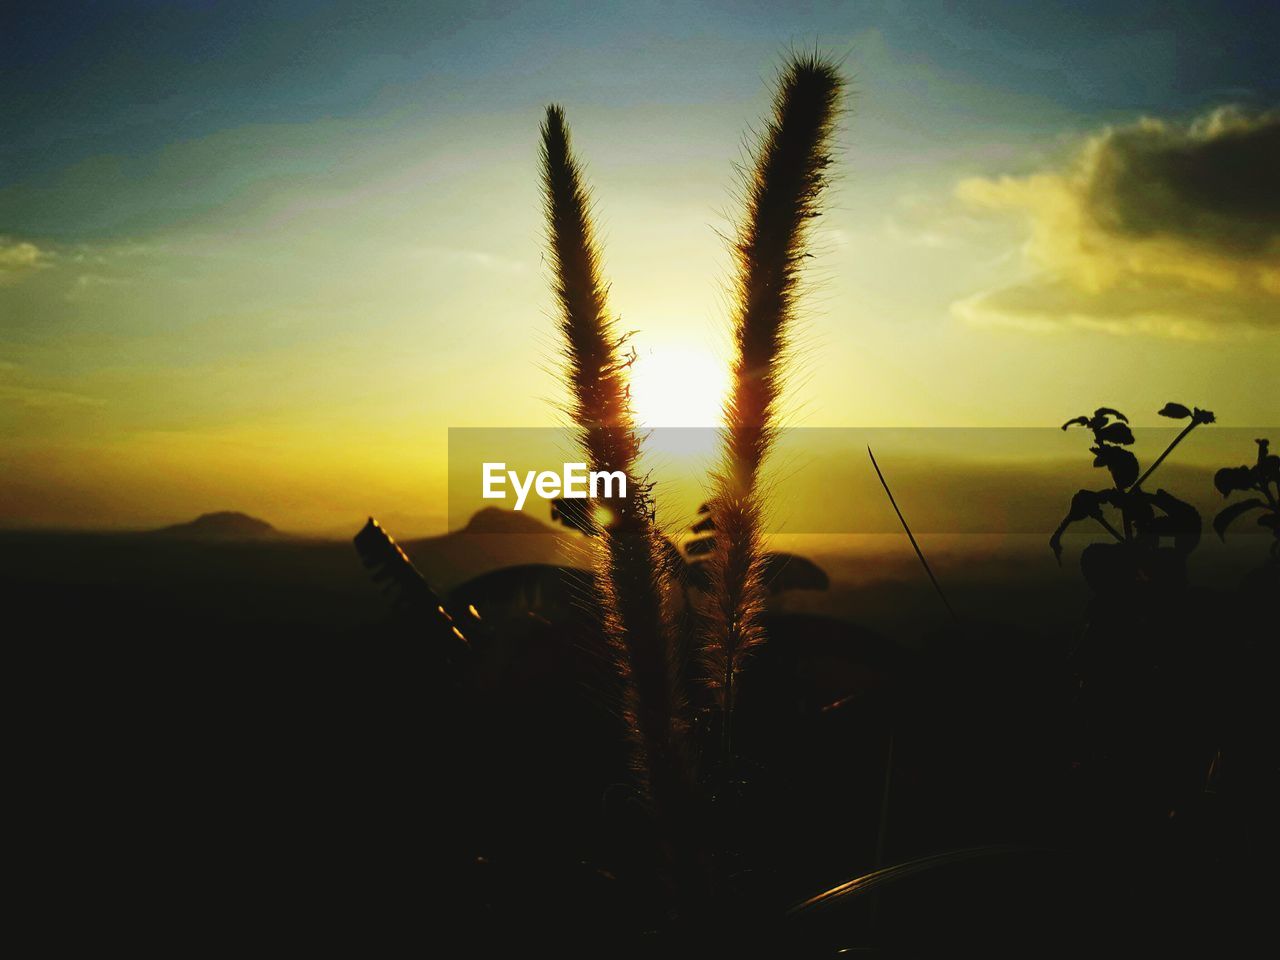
[
  {"x": 1167, "y": 450},
  {"x": 919, "y": 553}
]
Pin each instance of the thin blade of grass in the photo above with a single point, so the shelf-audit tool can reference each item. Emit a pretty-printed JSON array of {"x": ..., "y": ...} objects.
[
  {"x": 919, "y": 553},
  {"x": 909, "y": 868}
]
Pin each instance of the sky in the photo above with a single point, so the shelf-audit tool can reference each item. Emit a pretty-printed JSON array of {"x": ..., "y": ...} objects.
[{"x": 262, "y": 256}]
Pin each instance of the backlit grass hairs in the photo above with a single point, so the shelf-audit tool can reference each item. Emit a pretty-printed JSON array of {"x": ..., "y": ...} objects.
[
  {"x": 790, "y": 164},
  {"x": 634, "y": 586}
]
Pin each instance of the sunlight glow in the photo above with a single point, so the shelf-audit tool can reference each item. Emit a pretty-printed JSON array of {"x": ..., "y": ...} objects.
[
  {"x": 602, "y": 516},
  {"x": 679, "y": 387}
]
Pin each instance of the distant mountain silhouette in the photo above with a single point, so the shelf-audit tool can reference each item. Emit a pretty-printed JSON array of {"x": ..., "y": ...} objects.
[
  {"x": 497, "y": 520},
  {"x": 494, "y": 538},
  {"x": 222, "y": 525}
]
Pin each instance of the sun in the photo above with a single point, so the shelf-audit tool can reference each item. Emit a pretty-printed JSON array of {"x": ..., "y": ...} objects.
[{"x": 679, "y": 387}]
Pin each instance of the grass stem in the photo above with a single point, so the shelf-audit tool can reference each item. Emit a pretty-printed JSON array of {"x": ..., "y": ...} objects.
[{"x": 919, "y": 553}]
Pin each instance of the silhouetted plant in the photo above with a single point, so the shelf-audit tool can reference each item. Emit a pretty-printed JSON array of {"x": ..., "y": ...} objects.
[
  {"x": 1145, "y": 518},
  {"x": 782, "y": 195},
  {"x": 390, "y": 565},
  {"x": 780, "y": 571},
  {"x": 911, "y": 537},
  {"x": 722, "y": 566},
  {"x": 631, "y": 577},
  {"x": 781, "y": 200},
  {"x": 1259, "y": 478},
  {"x": 708, "y": 837}
]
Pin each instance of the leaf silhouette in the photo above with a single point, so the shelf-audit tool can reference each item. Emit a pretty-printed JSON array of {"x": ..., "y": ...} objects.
[
  {"x": 1115, "y": 433},
  {"x": 1084, "y": 504},
  {"x": 1055, "y": 541},
  {"x": 1175, "y": 411},
  {"x": 1108, "y": 567},
  {"x": 1203, "y": 416},
  {"x": 1233, "y": 478},
  {"x": 903, "y": 871},
  {"x": 786, "y": 571},
  {"x": 1228, "y": 515},
  {"x": 700, "y": 547},
  {"x": 1138, "y": 509},
  {"x": 704, "y": 525},
  {"x": 1122, "y": 464},
  {"x": 1181, "y": 521},
  {"x": 1080, "y": 421},
  {"x": 1108, "y": 412},
  {"x": 574, "y": 515}
]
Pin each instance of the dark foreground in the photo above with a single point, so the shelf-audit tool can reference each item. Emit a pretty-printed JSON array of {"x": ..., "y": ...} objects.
[{"x": 244, "y": 746}]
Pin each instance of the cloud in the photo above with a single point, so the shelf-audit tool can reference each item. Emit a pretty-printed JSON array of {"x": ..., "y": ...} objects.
[
  {"x": 1212, "y": 184},
  {"x": 88, "y": 286},
  {"x": 1047, "y": 305},
  {"x": 1157, "y": 227},
  {"x": 39, "y": 397},
  {"x": 19, "y": 257},
  {"x": 470, "y": 258}
]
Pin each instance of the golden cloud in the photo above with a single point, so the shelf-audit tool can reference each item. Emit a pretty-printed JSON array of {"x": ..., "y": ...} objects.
[
  {"x": 1156, "y": 227},
  {"x": 16, "y": 258}
]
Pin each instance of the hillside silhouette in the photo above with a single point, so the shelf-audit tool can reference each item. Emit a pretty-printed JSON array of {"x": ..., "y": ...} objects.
[
  {"x": 494, "y": 538},
  {"x": 221, "y": 525},
  {"x": 228, "y": 575}
]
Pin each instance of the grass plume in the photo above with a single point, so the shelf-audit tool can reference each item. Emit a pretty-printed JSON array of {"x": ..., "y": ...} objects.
[
  {"x": 635, "y": 590},
  {"x": 782, "y": 197}
]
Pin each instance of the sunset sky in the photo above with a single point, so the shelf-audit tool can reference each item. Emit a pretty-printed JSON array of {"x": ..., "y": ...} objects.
[{"x": 261, "y": 256}]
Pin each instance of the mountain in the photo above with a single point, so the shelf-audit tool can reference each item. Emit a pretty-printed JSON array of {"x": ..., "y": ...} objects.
[
  {"x": 223, "y": 525},
  {"x": 494, "y": 538},
  {"x": 497, "y": 520}
]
